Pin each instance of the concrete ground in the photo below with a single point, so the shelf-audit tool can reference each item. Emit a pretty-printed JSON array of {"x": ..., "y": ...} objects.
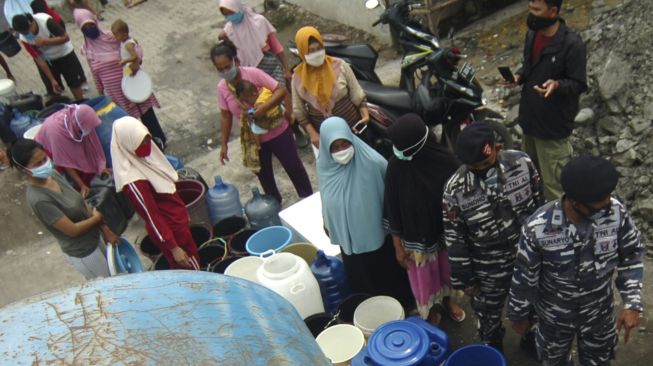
[{"x": 176, "y": 38}]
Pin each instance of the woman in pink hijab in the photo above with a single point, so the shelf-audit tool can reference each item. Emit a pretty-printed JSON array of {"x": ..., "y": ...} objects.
[
  {"x": 102, "y": 51},
  {"x": 70, "y": 138}
]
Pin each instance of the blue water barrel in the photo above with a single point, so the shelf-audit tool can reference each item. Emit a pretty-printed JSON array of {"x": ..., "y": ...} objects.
[
  {"x": 108, "y": 112},
  {"x": 330, "y": 274},
  {"x": 476, "y": 355},
  {"x": 158, "y": 318}
]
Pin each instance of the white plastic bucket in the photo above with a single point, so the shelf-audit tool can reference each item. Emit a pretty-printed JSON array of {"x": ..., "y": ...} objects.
[
  {"x": 289, "y": 276},
  {"x": 376, "y": 311},
  {"x": 245, "y": 268},
  {"x": 341, "y": 343},
  {"x": 31, "y": 133}
]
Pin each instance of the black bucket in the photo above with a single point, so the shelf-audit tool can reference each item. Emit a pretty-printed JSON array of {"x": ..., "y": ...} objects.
[
  {"x": 316, "y": 323},
  {"x": 200, "y": 234},
  {"x": 210, "y": 255},
  {"x": 9, "y": 44},
  {"x": 226, "y": 228},
  {"x": 221, "y": 266},
  {"x": 348, "y": 306},
  {"x": 238, "y": 242},
  {"x": 161, "y": 264},
  {"x": 149, "y": 249}
]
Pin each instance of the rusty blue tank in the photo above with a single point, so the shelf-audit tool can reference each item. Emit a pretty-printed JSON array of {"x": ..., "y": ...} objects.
[{"x": 158, "y": 318}]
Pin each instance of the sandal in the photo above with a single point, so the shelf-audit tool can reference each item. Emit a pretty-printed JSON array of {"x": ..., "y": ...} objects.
[{"x": 448, "y": 309}]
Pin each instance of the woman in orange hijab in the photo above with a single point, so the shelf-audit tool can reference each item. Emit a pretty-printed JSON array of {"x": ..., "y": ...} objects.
[{"x": 324, "y": 86}]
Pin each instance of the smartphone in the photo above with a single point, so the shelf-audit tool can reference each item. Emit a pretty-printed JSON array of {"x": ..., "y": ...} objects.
[
  {"x": 507, "y": 74},
  {"x": 359, "y": 127}
]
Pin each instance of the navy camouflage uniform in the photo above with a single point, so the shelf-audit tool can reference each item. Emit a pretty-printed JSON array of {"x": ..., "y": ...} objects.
[
  {"x": 482, "y": 221},
  {"x": 564, "y": 271}
]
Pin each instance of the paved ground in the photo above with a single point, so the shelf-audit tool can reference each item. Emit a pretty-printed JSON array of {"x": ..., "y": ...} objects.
[{"x": 176, "y": 38}]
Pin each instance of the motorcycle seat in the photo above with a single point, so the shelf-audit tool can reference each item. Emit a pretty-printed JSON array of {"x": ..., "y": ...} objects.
[{"x": 386, "y": 96}]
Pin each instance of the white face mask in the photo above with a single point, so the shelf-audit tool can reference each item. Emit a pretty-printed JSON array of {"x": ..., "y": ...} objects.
[
  {"x": 316, "y": 59},
  {"x": 344, "y": 156}
]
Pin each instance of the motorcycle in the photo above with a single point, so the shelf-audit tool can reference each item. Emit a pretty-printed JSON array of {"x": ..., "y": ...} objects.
[{"x": 433, "y": 83}]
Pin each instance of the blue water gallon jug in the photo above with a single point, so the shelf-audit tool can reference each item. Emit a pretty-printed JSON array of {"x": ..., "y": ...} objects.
[
  {"x": 262, "y": 210},
  {"x": 223, "y": 200},
  {"x": 108, "y": 111},
  {"x": 409, "y": 342},
  {"x": 330, "y": 274}
]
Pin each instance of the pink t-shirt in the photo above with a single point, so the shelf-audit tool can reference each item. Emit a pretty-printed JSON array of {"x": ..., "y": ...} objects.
[{"x": 227, "y": 100}]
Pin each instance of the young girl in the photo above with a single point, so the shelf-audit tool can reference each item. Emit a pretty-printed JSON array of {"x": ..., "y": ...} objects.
[
  {"x": 131, "y": 54},
  {"x": 63, "y": 211},
  {"x": 145, "y": 176}
]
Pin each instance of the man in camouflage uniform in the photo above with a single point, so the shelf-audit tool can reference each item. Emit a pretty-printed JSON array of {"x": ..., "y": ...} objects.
[
  {"x": 485, "y": 203},
  {"x": 568, "y": 252}
]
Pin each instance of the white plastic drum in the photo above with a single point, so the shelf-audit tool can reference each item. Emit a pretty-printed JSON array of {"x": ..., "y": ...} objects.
[
  {"x": 31, "y": 133},
  {"x": 245, "y": 268},
  {"x": 341, "y": 343},
  {"x": 137, "y": 88},
  {"x": 7, "y": 87}
]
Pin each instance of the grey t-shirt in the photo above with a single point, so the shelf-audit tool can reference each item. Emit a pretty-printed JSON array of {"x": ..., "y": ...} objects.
[{"x": 50, "y": 206}]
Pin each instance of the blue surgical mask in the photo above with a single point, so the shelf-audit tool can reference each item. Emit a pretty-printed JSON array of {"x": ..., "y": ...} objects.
[
  {"x": 400, "y": 154},
  {"x": 29, "y": 37},
  {"x": 91, "y": 32},
  {"x": 236, "y": 18},
  {"x": 231, "y": 74},
  {"x": 43, "y": 171}
]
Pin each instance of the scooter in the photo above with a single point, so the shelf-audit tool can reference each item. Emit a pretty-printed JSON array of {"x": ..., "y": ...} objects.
[{"x": 433, "y": 83}]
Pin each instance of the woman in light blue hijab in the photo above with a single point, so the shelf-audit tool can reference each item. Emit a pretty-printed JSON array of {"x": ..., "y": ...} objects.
[{"x": 351, "y": 177}]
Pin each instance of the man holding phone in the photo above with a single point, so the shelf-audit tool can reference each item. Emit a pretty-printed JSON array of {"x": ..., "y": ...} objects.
[{"x": 553, "y": 76}]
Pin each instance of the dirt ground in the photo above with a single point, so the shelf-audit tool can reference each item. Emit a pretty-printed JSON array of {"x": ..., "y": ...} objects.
[{"x": 176, "y": 38}]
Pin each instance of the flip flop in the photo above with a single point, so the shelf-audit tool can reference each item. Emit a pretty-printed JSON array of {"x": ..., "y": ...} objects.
[{"x": 459, "y": 319}]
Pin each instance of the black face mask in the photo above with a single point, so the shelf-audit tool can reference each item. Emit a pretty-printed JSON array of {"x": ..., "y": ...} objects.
[{"x": 536, "y": 23}]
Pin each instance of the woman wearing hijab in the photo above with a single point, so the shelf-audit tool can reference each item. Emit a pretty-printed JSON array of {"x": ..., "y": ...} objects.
[
  {"x": 278, "y": 140},
  {"x": 145, "y": 176},
  {"x": 63, "y": 212},
  {"x": 256, "y": 40},
  {"x": 324, "y": 86},
  {"x": 102, "y": 51},
  {"x": 414, "y": 184},
  {"x": 70, "y": 138},
  {"x": 351, "y": 177}
]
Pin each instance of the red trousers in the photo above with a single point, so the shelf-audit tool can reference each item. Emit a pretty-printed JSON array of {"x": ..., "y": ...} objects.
[{"x": 166, "y": 219}]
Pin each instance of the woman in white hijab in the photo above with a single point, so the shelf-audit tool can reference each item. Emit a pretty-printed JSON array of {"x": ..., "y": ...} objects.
[{"x": 145, "y": 176}]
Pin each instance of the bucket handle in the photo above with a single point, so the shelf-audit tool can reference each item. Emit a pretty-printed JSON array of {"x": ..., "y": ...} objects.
[
  {"x": 297, "y": 288},
  {"x": 267, "y": 254}
]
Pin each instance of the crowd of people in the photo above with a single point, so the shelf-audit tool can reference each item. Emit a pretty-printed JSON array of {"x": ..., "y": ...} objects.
[{"x": 539, "y": 230}]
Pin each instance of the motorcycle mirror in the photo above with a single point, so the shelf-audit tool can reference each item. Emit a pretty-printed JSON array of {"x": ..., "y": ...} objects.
[{"x": 371, "y": 4}]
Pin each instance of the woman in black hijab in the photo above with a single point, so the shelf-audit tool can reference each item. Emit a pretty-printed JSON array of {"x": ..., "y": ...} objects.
[{"x": 414, "y": 183}]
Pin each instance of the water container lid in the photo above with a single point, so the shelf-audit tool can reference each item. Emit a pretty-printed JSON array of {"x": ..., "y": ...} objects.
[{"x": 400, "y": 343}]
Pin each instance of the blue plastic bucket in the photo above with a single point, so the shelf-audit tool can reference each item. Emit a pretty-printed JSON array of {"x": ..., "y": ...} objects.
[
  {"x": 127, "y": 259},
  {"x": 476, "y": 355},
  {"x": 271, "y": 238}
]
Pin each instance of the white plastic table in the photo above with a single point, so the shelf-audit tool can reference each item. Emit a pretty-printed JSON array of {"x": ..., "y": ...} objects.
[{"x": 304, "y": 219}]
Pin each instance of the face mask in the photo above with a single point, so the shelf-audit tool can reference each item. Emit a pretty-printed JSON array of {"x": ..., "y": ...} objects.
[
  {"x": 344, "y": 156},
  {"x": 44, "y": 171},
  {"x": 316, "y": 59},
  {"x": 91, "y": 32},
  {"x": 29, "y": 37},
  {"x": 483, "y": 174},
  {"x": 236, "y": 18},
  {"x": 86, "y": 132},
  {"x": 400, "y": 154},
  {"x": 536, "y": 23},
  {"x": 144, "y": 150},
  {"x": 229, "y": 75},
  {"x": 593, "y": 214}
]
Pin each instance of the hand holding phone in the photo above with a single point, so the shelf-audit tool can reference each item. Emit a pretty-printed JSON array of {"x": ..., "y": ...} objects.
[{"x": 507, "y": 74}]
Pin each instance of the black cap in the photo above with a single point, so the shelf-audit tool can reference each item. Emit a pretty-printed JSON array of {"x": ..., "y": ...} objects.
[
  {"x": 474, "y": 143},
  {"x": 588, "y": 179}
]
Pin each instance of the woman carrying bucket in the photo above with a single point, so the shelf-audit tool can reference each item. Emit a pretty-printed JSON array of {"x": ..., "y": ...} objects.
[
  {"x": 143, "y": 173},
  {"x": 414, "y": 184},
  {"x": 351, "y": 174},
  {"x": 63, "y": 212}
]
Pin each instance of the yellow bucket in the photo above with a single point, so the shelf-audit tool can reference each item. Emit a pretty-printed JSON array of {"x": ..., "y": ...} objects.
[{"x": 306, "y": 251}]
